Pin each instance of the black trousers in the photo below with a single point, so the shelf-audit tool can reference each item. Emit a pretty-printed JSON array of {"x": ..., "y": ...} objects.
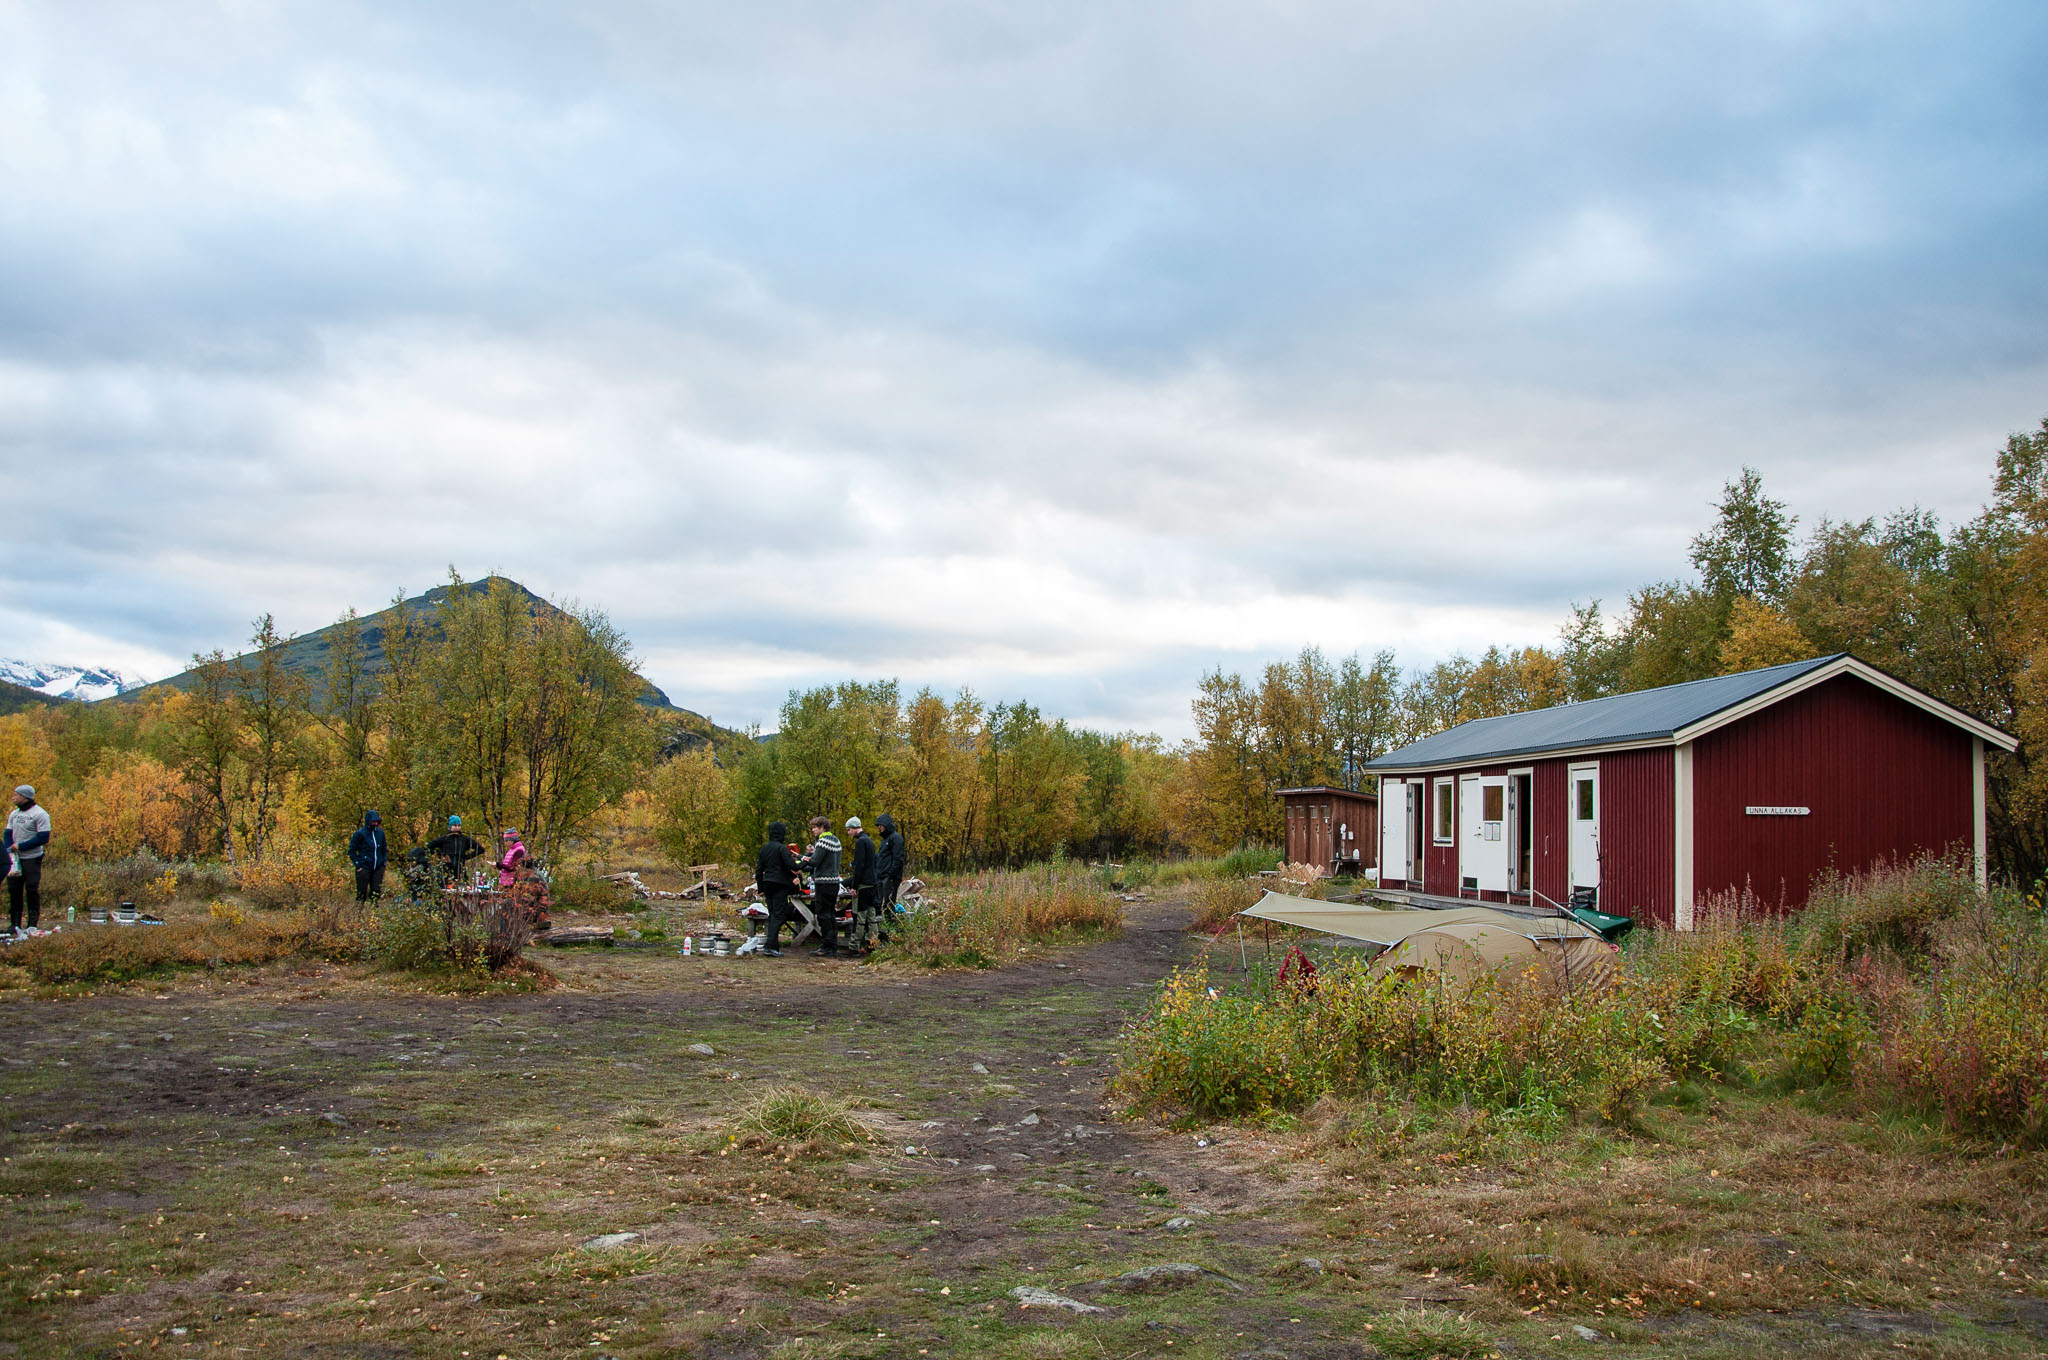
[
  {"x": 369, "y": 883},
  {"x": 779, "y": 914},
  {"x": 28, "y": 888},
  {"x": 825, "y": 902}
]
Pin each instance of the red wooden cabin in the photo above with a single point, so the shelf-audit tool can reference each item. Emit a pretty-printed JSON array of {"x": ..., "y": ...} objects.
[
  {"x": 1655, "y": 799},
  {"x": 1335, "y": 829}
]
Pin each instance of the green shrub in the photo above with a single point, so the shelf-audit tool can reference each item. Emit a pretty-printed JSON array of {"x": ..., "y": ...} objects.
[
  {"x": 1502, "y": 1043},
  {"x": 790, "y": 1114},
  {"x": 1252, "y": 859},
  {"x": 573, "y": 891},
  {"x": 1429, "y": 1334},
  {"x": 1896, "y": 909},
  {"x": 1974, "y": 1043},
  {"x": 1907, "y": 986},
  {"x": 457, "y": 937}
]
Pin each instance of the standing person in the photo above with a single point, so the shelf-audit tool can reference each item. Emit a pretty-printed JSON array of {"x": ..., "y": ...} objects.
[
  {"x": 28, "y": 831},
  {"x": 867, "y": 923},
  {"x": 510, "y": 862},
  {"x": 775, "y": 875},
  {"x": 369, "y": 853},
  {"x": 821, "y": 861},
  {"x": 455, "y": 848},
  {"x": 889, "y": 861}
]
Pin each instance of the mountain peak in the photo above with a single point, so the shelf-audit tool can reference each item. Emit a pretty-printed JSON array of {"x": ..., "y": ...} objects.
[{"x": 67, "y": 682}]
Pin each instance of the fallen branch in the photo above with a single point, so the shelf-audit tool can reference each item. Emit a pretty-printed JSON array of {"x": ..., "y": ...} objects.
[{"x": 562, "y": 935}]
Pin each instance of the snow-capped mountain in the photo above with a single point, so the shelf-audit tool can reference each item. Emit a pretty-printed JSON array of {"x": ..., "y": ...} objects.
[{"x": 67, "y": 682}]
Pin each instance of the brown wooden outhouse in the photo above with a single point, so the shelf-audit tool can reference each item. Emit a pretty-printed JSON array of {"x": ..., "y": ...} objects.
[{"x": 1335, "y": 829}]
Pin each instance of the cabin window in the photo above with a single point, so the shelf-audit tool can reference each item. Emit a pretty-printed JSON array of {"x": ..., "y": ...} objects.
[
  {"x": 1585, "y": 792},
  {"x": 1445, "y": 792},
  {"x": 1493, "y": 803}
]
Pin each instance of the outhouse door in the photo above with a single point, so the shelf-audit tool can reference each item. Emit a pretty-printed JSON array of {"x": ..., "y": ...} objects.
[
  {"x": 1396, "y": 807},
  {"x": 1585, "y": 826},
  {"x": 1482, "y": 837}
]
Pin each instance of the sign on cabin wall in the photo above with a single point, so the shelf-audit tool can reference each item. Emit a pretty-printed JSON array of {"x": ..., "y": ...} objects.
[{"x": 1779, "y": 811}]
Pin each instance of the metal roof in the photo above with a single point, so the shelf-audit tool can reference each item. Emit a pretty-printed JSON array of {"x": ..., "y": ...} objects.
[{"x": 1647, "y": 715}]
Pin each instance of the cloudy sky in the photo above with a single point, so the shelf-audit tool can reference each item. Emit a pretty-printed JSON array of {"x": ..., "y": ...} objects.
[{"x": 1060, "y": 349}]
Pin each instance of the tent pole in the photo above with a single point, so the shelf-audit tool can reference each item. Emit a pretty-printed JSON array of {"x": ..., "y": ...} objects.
[{"x": 1244, "y": 964}]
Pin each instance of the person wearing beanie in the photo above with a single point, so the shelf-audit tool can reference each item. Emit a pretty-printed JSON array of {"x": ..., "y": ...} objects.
[
  {"x": 368, "y": 851},
  {"x": 775, "y": 875},
  {"x": 455, "y": 848},
  {"x": 27, "y": 832},
  {"x": 509, "y": 863},
  {"x": 867, "y": 922},
  {"x": 821, "y": 861}
]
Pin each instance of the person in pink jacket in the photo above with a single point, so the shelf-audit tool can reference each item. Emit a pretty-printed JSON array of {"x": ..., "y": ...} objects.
[{"x": 509, "y": 862}]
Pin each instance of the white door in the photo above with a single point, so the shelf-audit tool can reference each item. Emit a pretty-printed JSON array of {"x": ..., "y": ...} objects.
[
  {"x": 1482, "y": 833},
  {"x": 1583, "y": 809},
  {"x": 1394, "y": 814}
]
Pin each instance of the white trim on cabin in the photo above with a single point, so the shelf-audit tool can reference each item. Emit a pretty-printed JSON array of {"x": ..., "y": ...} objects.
[
  {"x": 1439, "y": 816},
  {"x": 1681, "y": 834},
  {"x": 1977, "y": 820},
  {"x": 1541, "y": 753}
]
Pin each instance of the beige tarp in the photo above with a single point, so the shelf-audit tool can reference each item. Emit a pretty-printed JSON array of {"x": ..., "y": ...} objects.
[{"x": 1462, "y": 943}]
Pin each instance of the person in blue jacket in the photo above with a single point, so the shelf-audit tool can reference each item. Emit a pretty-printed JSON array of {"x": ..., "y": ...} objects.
[{"x": 368, "y": 852}]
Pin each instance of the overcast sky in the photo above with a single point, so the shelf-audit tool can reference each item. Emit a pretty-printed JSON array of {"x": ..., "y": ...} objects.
[{"x": 1063, "y": 350}]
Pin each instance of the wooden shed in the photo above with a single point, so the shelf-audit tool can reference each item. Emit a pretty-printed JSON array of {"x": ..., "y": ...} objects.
[
  {"x": 1335, "y": 829},
  {"x": 1650, "y": 801}
]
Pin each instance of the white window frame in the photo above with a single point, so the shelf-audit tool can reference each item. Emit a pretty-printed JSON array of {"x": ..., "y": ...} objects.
[{"x": 1438, "y": 834}]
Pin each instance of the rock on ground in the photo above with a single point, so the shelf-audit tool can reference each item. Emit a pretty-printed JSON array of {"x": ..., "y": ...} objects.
[
  {"x": 1031, "y": 1296},
  {"x": 1170, "y": 1275},
  {"x": 608, "y": 1241}
]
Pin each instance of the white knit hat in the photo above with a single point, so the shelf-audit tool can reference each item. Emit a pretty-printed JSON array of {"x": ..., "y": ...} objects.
[{"x": 853, "y": 823}]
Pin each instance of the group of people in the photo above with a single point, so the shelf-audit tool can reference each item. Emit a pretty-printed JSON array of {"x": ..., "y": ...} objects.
[
  {"x": 439, "y": 863},
  {"x": 822, "y": 872}
]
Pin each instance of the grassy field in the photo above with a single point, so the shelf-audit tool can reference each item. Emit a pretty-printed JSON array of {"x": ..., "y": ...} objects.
[{"x": 303, "y": 1158}]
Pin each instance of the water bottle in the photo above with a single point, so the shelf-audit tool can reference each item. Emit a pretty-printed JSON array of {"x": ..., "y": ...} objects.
[{"x": 71, "y": 913}]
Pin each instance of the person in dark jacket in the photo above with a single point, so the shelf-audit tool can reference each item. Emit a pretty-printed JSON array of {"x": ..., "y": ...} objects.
[
  {"x": 775, "y": 874},
  {"x": 889, "y": 860},
  {"x": 455, "y": 849},
  {"x": 821, "y": 862},
  {"x": 368, "y": 852},
  {"x": 867, "y": 922}
]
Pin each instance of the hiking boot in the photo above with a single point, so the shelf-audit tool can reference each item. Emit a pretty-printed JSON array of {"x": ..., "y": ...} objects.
[{"x": 771, "y": 953}]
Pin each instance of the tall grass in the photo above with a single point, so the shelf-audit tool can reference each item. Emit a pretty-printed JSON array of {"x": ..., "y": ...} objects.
[
  {"x": 976, "y": 920},
  {"x": 96, "y": 955},
  {"x": 1504, "y": 1044},
  {"x": 1903, "y": 987},
  {"x": 1216, "y": 900},
  {"x": 1143, "y": 875}
]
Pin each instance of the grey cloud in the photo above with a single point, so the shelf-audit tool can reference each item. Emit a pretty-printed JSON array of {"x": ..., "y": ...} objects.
[{"x": 1015, "y": 330}]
